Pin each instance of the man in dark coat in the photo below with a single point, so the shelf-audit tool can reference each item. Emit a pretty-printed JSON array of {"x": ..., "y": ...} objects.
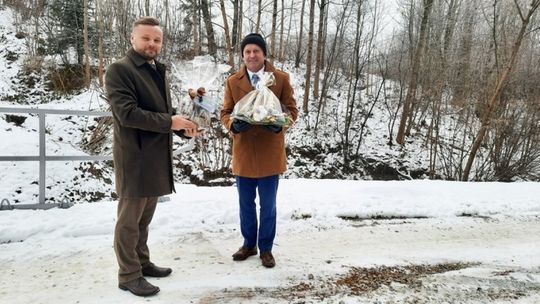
[
  {"x": 258, "y": 150},
  {"x": 139, "y": 95}
]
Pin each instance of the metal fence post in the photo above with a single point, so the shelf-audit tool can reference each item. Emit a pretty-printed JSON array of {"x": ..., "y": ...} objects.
[{"x": 42, "y": 161}]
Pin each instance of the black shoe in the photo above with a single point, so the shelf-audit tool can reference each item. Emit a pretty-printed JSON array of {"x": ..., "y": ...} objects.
[
  {"x": 139, "y": 287},
  {"x": 244, "y": 253},
  {"x": 151, "y": 270}
]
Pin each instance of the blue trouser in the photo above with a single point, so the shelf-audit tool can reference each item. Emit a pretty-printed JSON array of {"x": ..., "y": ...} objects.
[{"x": 267, "y": 187}]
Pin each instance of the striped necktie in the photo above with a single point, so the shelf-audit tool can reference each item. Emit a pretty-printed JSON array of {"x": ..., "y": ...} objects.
[{"x": 255, "y": 80}]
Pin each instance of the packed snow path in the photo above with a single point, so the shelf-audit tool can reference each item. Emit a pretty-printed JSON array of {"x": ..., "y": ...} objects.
[{"x": 66, "y": 256}]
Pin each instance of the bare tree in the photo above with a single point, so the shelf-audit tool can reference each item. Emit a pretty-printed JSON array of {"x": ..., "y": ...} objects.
[
  {"x": 273, "y": 31},
  {"x": 300, "y": 36},
  {"x": 392, "y": 107},
  {"x": 500, "y": 83},
  {"x": 212, "y": 48},
  {"x": 284, "y": 48},
  {"x": 87, "y": 73},
  {"x": 357, "y": 66},
  {"x": 280, "y": 52},
  {"x": 228, "y": 43},
  {"x": 237, "y": 15},
  {"x": 333, "y": 68},
  {"x": 259, "y": 12},
  {"x": 101, "y": 34},
  {"x": 321, "y": 40},
  {"x": 461, "y": 81},
  {"x": 309, "y": 59},
  {"x": 196, "y": 25},
  {"x": 413, "y": 82},
  {"x": 237, "y": 24},
  {"x": 439, "y": 79}
]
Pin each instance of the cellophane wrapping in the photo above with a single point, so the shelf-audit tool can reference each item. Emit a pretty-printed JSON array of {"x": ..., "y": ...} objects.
[{"x": 261, "y": 106}]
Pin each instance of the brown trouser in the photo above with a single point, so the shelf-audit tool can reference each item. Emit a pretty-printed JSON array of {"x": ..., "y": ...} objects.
[{"x": 131, "y": 234}]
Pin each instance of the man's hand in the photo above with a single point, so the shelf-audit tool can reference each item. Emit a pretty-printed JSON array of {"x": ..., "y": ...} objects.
[
  {"x": 189, "y": 133},
  {"x": 239, "y": 126},
  {"x": 193, "y": 132},
  {"x": 273, "y": 128},
  {"x": 181, "y": 123}
]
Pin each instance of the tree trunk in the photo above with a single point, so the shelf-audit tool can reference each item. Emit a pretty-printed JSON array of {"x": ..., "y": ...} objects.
[
  {"x": 280, "y": 52},
  {"x": 353, "y": 87},
  {"x": 273, "y": 32},
  {"x": 309, "y": 55},
  {"x": 212, "y": 49},
  {"x": 236, "y": 17},
  {"x": 413, "y": 82},
  {"x": 230, "y": 49},
  {"x": 288, "y": 31},
  {"x": 87, "y": 73},
  {"x": 101, "y": 55},
  {"x": 501, "y": 82},
  {"x": 240, "y": 30},
  {"x": 196, "y": 24},
  {"x": 461, "y": 84},
  {"x": 259, "y": 12},
  {"x": 300, "y": 36},
  {"x": 320, "y": 46},
  {"x": 165, "y": 26},
  {"x": 441, "y": 85},
  {"x": 331, "y": 69}
]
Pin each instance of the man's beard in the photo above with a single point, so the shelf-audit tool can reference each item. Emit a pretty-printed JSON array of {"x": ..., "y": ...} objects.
[{"x": 146, "y": 56}]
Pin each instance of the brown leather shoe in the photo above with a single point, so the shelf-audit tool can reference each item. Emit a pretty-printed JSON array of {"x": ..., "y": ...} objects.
[
  {"x": 244, "y": 253},
  {"x": 139, "y": 287},
  {"x": 267, "y": 259},
  {"x": 151, "y": 270}
]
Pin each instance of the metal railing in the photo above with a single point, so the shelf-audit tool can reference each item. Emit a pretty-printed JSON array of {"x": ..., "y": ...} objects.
[{"x": 43, "y": 158}]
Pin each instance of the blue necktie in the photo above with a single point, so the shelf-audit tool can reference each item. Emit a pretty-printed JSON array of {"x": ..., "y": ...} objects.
[{"x": 255, "y": 80}]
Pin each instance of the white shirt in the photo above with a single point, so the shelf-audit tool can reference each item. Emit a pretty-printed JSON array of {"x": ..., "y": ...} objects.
[{"x": 259, "y": 73}]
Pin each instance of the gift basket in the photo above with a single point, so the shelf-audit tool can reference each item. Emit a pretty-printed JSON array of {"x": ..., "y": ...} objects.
[
  {"x": 201, "y": 107},
  {"x": 199, "y": 77},
  {"x": 261, "y": 106}
]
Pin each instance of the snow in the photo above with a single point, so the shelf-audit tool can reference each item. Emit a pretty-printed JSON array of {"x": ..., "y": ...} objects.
[
  {"x": 66, "y": 255},
  {"x": 11, "y": 47},
  {"x": 325, "y": 228}
]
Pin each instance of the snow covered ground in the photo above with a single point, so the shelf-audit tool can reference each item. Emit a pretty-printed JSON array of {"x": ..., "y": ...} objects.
[
  {"x": 410, "y": 241},
  {"x": 339, "y": 241}
]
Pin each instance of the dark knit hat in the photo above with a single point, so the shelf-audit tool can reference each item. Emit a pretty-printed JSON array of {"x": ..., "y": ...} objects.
[{"x": 254, "y": 38}]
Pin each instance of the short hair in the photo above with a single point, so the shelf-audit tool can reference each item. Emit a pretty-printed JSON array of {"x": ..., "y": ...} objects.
[{"x": 146, "y": 21}]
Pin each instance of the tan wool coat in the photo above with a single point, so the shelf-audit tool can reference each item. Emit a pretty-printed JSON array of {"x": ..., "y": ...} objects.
[
  {"x": 257, "y": 152},
  {"x": 142, "y": 147}
]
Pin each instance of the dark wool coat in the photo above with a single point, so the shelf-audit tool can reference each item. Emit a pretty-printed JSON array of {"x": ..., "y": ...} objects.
[
  {"x": 141, "y": 105},
  {"x": 257, "y": 152}
]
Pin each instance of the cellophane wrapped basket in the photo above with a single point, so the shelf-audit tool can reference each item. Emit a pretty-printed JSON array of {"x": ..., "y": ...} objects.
[
  {"x": 261, "y": 106},
  {"x": 201, "y": 104}
]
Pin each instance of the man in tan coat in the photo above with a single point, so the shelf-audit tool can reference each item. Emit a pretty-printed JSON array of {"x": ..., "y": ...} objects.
[
  {"x": 138, "y": 92},
  {"x": 258, "y": 150}
]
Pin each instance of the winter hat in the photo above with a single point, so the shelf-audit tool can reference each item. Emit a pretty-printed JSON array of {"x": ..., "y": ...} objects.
[{"x": 254, "y": 38}]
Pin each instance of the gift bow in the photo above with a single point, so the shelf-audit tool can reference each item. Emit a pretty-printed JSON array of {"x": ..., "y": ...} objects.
[{"x": 268, "y": 79}]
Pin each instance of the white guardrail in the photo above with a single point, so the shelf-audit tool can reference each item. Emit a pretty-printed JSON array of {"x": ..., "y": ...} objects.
[{"x": 43, "y": 158}]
